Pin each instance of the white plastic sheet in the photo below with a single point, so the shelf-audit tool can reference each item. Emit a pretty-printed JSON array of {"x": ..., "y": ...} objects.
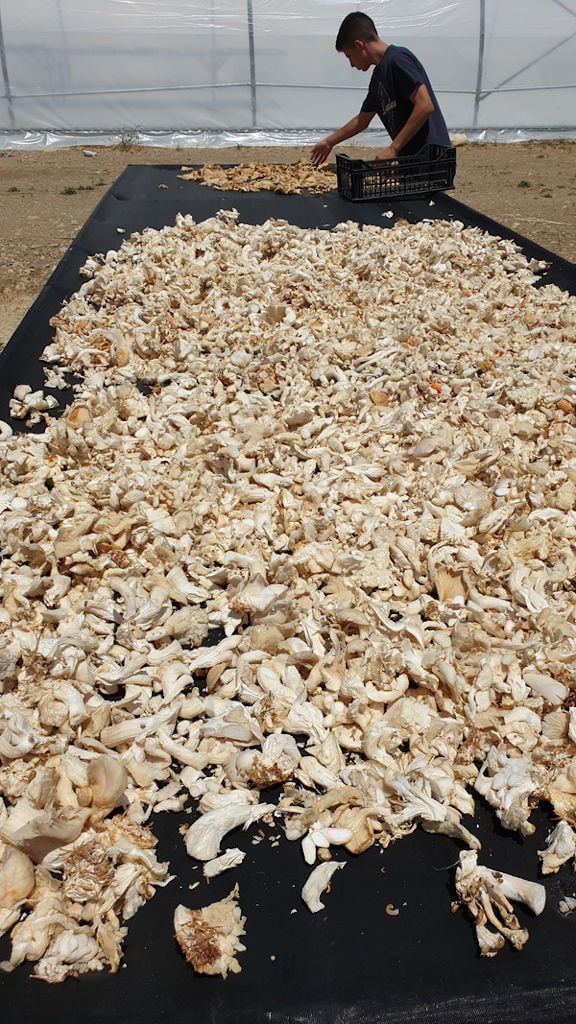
[{"x": 266, "y": 70}]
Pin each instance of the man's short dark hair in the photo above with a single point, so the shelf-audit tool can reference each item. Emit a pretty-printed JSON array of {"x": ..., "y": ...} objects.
[{"x": 355, "y": 26}]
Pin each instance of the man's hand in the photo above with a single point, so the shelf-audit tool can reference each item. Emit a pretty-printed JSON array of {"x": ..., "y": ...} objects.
[
  {"x": 319, "y": 153},
  {"x": 389, "y": 153}
]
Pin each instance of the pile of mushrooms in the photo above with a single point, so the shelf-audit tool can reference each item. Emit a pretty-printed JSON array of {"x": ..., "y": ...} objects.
[{"x": 306, "y": 528}]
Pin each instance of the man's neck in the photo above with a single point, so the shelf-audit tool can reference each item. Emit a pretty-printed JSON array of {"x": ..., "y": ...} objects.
[{"x": 376, "y": 49}]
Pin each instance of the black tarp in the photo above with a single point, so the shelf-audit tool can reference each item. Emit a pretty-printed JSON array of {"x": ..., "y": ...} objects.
[{"x": 352, "y": 963}]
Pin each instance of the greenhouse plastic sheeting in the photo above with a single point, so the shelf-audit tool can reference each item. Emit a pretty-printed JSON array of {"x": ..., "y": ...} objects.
[{"x": 270, "y": 66}]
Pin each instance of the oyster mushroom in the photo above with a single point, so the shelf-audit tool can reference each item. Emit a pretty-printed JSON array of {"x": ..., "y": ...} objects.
[
  {"x": 204, "y": 836},
  {"x": 210, "y": 937},
  {"x": 487, "y": 896},
  {"x": 107, "y": 779},
  {"x": 318, "y": 882},
  {"x": 16, "y": 877},
  {"x": 275, "y": 763},
  {"x": 229, "y": 859},
  {"x": 560, "y": 847}
]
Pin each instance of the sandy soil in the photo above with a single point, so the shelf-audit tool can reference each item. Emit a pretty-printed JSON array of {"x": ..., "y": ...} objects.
[{"x": 46, "y": 197}]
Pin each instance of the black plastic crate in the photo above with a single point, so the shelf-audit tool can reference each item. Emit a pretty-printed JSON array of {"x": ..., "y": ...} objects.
[{"x": 430, "y": 170}]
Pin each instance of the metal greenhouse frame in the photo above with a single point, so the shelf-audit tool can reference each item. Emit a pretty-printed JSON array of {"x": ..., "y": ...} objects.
[{"x": 264, "y": 70}]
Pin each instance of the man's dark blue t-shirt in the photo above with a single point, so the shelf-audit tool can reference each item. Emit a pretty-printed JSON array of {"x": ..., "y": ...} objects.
[{"x": 393, "y": 82}]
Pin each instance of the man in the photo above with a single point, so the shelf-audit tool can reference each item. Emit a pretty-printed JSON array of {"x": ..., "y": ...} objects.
[{"x": 400, "y": 93}]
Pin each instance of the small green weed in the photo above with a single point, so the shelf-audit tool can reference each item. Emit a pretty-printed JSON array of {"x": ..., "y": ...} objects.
[{"x": 71, "y": 190}]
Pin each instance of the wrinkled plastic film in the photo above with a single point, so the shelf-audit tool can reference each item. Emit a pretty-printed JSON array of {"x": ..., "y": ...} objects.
[
  {"x": 261, "y": 70},
  {"x": 35, "y": 140}
]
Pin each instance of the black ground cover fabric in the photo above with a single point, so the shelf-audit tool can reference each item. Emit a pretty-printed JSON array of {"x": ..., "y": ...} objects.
[{"x": 352, "y": 963}]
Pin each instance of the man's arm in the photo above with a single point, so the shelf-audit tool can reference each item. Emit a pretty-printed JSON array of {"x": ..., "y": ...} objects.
[
  {"x": 352, "y": 127},
  {"x": 422, "y": 107}
]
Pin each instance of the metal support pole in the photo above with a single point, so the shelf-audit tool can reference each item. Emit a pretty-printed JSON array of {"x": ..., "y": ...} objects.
[
  {"x": 6, "y": 78},
  {"x": 252, "y": 61},
  {"x": 480, "y": 68}
]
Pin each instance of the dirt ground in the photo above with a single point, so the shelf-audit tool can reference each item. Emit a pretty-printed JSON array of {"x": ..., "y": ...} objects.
[{"x": 47, "y": 195}]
